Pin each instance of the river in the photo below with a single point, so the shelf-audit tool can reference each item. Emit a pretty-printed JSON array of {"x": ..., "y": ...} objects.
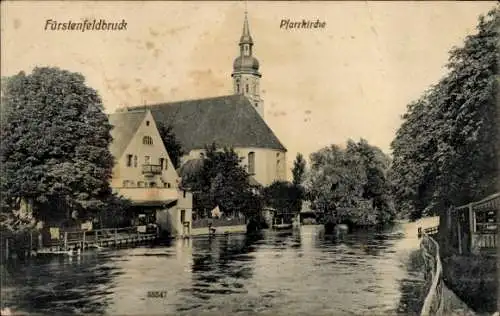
[{"x": 302, "y": 273}]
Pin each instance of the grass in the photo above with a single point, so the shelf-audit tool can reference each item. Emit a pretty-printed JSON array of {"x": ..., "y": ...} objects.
[{"x": 474, "y": 279}]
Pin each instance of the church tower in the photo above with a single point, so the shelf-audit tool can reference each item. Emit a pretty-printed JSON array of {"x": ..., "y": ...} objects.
[{"x": 246, "y": 74}]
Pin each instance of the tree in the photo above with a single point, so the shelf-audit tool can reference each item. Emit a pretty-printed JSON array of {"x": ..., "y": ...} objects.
[
  {"x": 299, "y": 169},
  {"x": 352, "y": 183},
  {"x": 55, "y": 141},
  {"x": 224, "y": 182},
  {"x": 446, "y": 151},
  {"x": 283, "y": 197},
  {"x": 172, "y": 144}
]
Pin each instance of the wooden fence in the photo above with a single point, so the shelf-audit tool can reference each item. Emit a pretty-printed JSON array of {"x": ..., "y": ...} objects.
[
  {"x": 433, "y": 303},
  {"x": 217, "y": 222}
]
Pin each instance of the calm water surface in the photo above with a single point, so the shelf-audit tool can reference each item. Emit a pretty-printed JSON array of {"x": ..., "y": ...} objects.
[{"x": 301, "y": 273}]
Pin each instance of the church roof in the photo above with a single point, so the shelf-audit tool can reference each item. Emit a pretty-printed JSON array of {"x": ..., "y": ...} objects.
[
  {"x": 125, "y": 124},
  {"x": 227, "y": 120}
]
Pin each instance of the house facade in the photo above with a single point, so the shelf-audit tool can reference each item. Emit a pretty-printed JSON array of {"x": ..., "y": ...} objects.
[{"x": 144, "y": 173}]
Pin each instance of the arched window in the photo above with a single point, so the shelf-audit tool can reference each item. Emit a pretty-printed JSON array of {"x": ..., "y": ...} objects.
[
  {"x": 237, "y": 85},
  {"x": 251, "y": 162},
  {"x": 278, "y": 168},
  {"x": 246, "y": 87},
  {"x": 135, "y": 161},
  {"x": 147, "y": 140}
]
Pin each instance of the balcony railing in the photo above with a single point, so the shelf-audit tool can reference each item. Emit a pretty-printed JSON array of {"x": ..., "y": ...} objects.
[{"x": 151, "y": 170}]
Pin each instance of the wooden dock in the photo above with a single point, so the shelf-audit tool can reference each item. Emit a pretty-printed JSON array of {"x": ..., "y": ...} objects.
[{"x": 72, "y": 242}]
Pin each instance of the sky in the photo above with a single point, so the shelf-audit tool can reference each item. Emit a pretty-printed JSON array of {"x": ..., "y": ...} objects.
[{"x": 352, "y": 79}]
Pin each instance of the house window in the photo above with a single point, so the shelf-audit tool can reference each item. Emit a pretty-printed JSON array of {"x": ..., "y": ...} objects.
[
  {"x": 129, "y": 160},
  {"x": 251, "y": 162},
  {"x": 169, "y": 185},
  {"x": 278, "y": 167},
  {"x": 147, "y": 140},
  {"x": 183, "y": 216},
  {"x": 147, "y": 123},
  {"x": 140, "y": 184},
  {"x": 256, "y": 104},
  {"x": 166, "y": 164},
  {"x": 125, "y": 183},
  {"x": 161, "y": 163},
  {"x": 184, "y": 194},
  {"x": 147, "y": 160},
  {"x": 152, "y": 185},
  {"x": 135, "y": 161},
  {"x": 237, "y": 85},
  {"x": 246, "y": 88},
  {"x": 131, "y": 183}
]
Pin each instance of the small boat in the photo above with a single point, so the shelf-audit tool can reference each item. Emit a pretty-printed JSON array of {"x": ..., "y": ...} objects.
[{"x": 283, "y": 226}]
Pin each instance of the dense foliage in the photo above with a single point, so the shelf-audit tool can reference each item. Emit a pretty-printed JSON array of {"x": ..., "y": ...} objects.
[
  {"x": 446, "y": 150},
  {"x": 222, "y": 181},
  {"x": 172, "y": 144},
  {"x": 284, "y": 197},
  {"x": 54, "y": 152},
  {"x": 351, "y": 182}
]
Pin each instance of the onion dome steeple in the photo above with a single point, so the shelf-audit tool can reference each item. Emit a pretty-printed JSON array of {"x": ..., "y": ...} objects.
[{"x": 246, "y": 75}]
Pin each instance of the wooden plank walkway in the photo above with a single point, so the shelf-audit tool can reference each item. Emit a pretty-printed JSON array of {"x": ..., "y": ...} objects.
[{"x": 77, "y": 241}]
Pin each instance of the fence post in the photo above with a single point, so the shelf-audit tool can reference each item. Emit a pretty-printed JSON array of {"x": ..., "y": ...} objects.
[
  {"x": 459, "y": 238},
  {"x": 65, "y": 241},
  {"x": 83, "y": 242}
]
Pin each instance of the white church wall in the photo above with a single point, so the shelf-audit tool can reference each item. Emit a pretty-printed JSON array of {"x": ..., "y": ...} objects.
[{"x": 267, "y": 167}]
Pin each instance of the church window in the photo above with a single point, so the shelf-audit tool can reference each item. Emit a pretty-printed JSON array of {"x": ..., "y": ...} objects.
[
  {"x": 135, "y": 161},
  {"x": 278, "y": 167},
  {"x": 146, "y": 160},
  {"x": 246, "y": 88},
  {"x": 251, "y": 162},
  {"x": 129, "y": 160},
  {"x": 256, "y": 104},
  {"x": 161, "y": 163},
  {"x": 147, "y": 140},
  {"x": 147, "y": 123},
  {"x": 237, "y": 85}
]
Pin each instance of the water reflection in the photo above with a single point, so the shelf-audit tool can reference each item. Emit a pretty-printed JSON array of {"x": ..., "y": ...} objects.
[
  {"x": 299, "y": 272},
  {"x": 59, "y": 286}
]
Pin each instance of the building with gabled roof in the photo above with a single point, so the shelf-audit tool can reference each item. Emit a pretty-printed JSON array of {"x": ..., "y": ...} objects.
[
  {"x": 144, "y": 173},
  {"x": 235, "y": 120}
]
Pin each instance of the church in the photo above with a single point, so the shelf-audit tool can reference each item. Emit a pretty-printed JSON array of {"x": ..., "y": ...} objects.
[{"x": 235, "y": 120}]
